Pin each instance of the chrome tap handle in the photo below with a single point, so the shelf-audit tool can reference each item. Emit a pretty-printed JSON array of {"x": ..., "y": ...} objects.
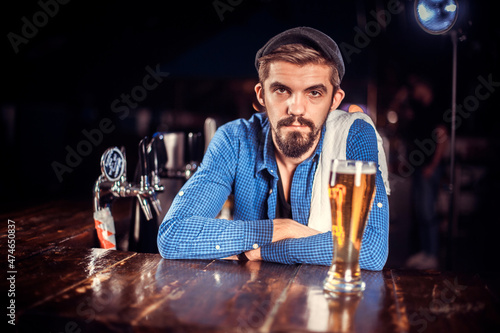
[
  {"x": 145, "y": 189},
  {"x": 155, "y": 178},
  {"x": 145, "y": 206},
  {"x": 123, "y": 178},
  {"x": 156, "y": 203},
  {"x": 143, "y": 164}
]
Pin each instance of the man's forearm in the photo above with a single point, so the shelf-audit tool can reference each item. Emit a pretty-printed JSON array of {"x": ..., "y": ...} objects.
[
  {"x": 206, "y": 238},
  {"x": 316, "y": 249},
  {"x": 288, "y": 228}
]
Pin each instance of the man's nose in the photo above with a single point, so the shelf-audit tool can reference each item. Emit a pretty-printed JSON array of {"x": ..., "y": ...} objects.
[{"x": 296, "y": 105}]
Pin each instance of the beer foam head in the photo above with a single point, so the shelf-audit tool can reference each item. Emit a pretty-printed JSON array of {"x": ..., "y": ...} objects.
[{"x": 352, "y": 167}]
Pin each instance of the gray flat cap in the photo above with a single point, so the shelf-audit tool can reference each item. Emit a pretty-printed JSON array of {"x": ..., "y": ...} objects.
[{"x": 309, "y": 37}]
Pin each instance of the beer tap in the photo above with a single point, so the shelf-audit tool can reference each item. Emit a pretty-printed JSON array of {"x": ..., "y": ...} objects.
[
  {"x": 144, "y": 188},
  {"x": 113, "y": 176},
  {"x": 169, "y": 158},
  {"x": 148, "y": 191},
  {"x": 112, "y": 183}
]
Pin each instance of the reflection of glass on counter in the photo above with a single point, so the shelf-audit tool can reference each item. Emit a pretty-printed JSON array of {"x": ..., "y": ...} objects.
[{"x": 342, "y": 311}]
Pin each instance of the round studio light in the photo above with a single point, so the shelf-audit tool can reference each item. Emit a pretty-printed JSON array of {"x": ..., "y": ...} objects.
[{"x": 436, "y": 16}]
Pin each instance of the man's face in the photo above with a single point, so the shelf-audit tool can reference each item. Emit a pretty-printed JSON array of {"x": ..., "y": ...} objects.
[{"x": 297, "y": 100}]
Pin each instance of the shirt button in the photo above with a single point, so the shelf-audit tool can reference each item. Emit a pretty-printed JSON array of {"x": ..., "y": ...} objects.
[
  {"x": 217, "y": 247},
  {"x": 270, "y": 191},
  {"x": 255, "y": 246},
  {"x": 271, "y": 171},
  {"x": 380, "y": 205},
  {"x": 181, "y": 193}
]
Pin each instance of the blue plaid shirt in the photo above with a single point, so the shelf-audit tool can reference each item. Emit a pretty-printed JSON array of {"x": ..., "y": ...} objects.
[{"x": 240, "y": 160}]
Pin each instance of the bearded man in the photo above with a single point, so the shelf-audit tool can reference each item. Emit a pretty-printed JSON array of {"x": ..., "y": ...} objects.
[{"x": 272, "y": 164}]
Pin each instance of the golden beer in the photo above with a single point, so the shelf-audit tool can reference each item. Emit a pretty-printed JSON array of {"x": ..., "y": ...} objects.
[{"x": 351, "y": 192}]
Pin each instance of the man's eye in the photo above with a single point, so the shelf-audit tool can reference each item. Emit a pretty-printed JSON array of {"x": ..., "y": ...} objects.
[
  {"x": 315, "y": 93},
  {"x": 280, "y": 90}
]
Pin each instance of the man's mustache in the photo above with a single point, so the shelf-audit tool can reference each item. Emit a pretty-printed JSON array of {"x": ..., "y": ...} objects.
[{"x": 290, "y": 120}]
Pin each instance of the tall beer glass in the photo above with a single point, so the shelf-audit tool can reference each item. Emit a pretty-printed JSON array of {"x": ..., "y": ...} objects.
[{"x": 351, "y": 191}]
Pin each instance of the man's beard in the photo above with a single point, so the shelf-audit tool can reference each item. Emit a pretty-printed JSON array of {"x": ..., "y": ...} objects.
[{"x": 295, "y": 144}]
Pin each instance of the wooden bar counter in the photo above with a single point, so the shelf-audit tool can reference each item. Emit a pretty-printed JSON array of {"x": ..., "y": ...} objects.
[{"x": 62, "y": 283}]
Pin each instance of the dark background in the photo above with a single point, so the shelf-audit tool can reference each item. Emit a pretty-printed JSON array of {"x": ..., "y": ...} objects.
[{"x": 64, "y": 79}]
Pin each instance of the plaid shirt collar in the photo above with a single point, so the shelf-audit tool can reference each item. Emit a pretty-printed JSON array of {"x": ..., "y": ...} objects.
[{"x": 266, "y": 158}]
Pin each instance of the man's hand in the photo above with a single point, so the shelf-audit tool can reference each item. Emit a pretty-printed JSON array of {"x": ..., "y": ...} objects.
[
  {"x": 288, "y": 228},
  {"x": 253, "y": 255},
  {"x": 283, "y": 228}
]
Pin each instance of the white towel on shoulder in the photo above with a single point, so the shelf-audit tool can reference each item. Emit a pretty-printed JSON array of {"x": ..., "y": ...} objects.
[{"x": 338, "y": 124}]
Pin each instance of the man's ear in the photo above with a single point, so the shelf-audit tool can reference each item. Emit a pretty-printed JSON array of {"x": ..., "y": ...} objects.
[
  {"x": 337, "y": 99},
  {"x": 259, "y": 92}
]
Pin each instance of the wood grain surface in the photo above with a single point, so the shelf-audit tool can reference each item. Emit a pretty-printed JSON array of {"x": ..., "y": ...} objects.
[{"x": 64, "y": 284}]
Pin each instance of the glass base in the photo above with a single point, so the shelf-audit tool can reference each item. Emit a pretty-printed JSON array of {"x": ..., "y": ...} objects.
[{"x": 342, "y": 286}]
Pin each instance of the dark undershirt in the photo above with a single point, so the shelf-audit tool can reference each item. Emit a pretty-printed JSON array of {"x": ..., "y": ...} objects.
[{"x": 283, "y": 207}]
